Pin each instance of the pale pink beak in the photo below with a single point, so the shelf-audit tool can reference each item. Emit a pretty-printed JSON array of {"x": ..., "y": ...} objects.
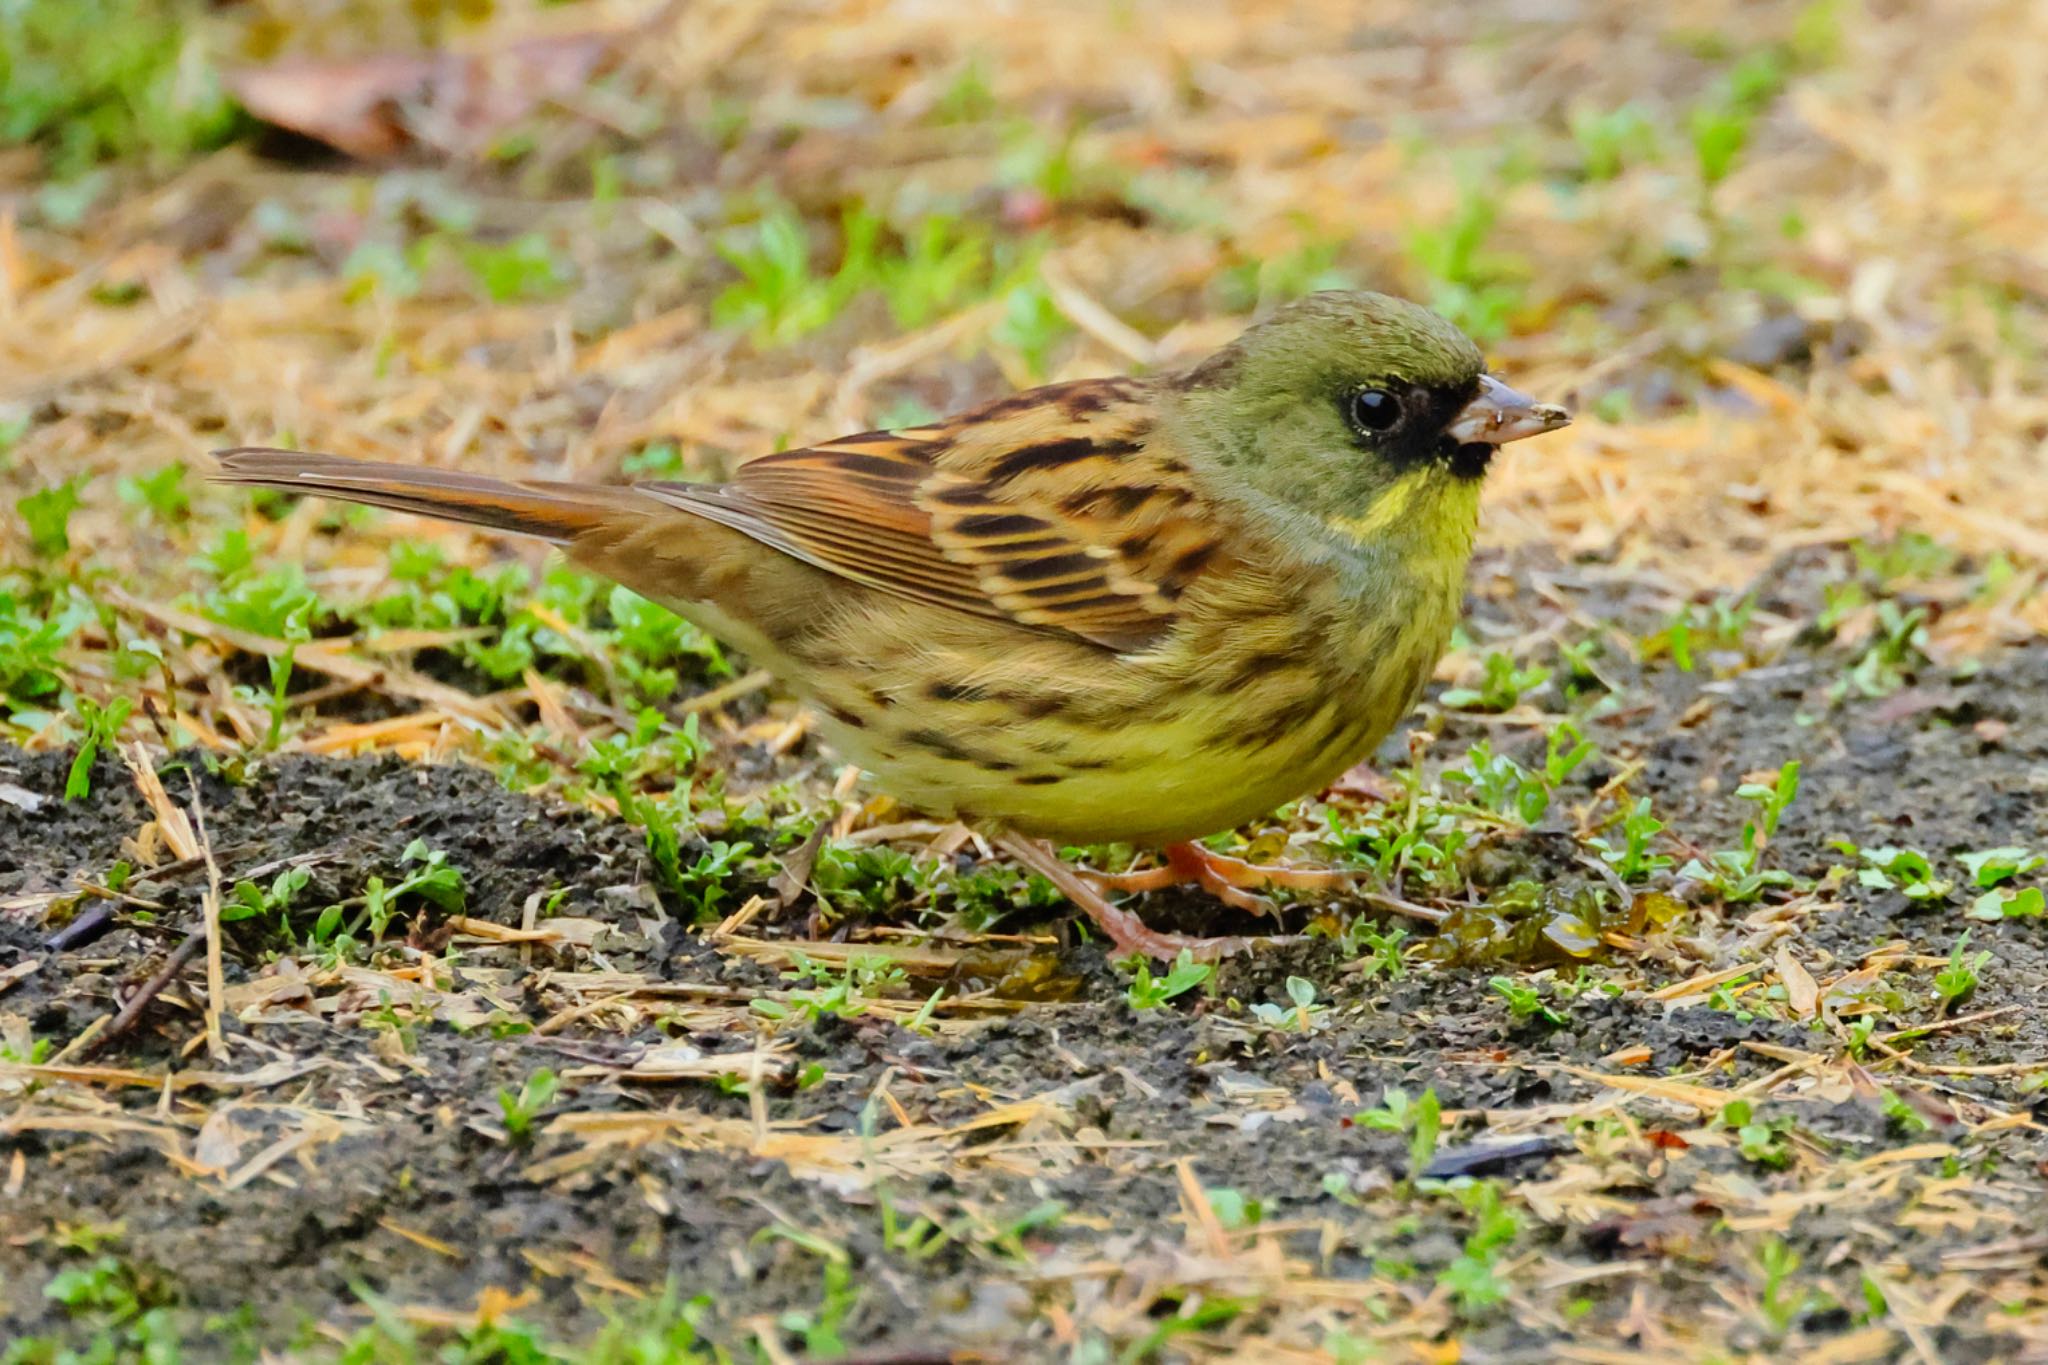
[{"x": 1500, "y": 414}]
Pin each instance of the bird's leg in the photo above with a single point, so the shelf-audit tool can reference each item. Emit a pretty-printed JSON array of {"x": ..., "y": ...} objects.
[
  {"x": 1215, "y": 871},
  {"x": 1126, "y": 932},
  {"x": 1230, "y": 880}
]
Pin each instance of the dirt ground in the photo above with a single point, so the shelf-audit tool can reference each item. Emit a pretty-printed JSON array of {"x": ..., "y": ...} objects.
[
  {"x": 353, "y": 1165},
  {"x": 571, "y": 1003}
]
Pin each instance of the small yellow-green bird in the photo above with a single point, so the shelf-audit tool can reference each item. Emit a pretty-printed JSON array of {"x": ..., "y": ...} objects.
[{"x": 1116, "y": 610}]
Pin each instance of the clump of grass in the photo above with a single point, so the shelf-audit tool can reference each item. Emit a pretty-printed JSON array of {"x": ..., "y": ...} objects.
[
  {"x": 1149, "y": 992},
  {"x": 1471, "y": 283},
  {"x": 1502, "y": 686},
  {"x": 839, "y": 993},
  {"x": 1722, "y": 125},
  {"x": 782, "y": 295},
  {"x": 523, "y": 1106},
  {"x": 1420, "y": 1117},
  {"x": 91, "y": 81},
  {"x": 1738, "y": 875},
  {"x": 46, "y": 514}
]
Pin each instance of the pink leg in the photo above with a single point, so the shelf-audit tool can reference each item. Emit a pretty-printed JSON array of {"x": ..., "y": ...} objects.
[
  {"x": 1230, "y": 880},
  {"x": 1125, "y": 931}
]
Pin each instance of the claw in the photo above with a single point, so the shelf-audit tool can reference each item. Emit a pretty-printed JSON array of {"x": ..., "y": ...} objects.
[
  {"x": 1230, "y": 880},
  {"x": 1126, "y": 932}
]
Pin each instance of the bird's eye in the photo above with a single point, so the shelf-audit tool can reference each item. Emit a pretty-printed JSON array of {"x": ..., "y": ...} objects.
[{"x": 1375, "y": 410}]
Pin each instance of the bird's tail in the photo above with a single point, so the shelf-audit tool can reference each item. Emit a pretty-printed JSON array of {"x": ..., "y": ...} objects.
[{"x": 560, "y": 512}]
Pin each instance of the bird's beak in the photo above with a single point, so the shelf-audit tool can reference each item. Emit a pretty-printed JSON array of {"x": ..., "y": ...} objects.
[{"x": 1500, "y": 414}]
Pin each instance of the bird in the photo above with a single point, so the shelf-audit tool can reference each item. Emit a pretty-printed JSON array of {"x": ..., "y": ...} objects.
[{"x": 1137, "y": 610}]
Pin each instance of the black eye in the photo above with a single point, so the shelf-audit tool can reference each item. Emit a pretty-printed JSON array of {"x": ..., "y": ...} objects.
[{"x": 1375, "y": 410}]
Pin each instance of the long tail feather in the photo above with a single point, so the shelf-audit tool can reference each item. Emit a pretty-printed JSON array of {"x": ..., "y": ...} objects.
[{"x": 561, "y": 512}]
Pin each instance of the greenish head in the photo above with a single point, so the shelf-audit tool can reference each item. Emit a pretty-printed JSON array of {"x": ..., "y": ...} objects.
[{"x": 1343, "y": 399}]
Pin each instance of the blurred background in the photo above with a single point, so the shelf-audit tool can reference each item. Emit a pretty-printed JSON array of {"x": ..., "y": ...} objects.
[
  {"x": 1787, "y": 257},
  {"x": 1788, "y": 260}
]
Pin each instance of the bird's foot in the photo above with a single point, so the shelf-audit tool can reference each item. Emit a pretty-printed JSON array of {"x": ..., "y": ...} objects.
[
  {"x": 1230, "y": 880},
  {"x": 1126, "y": 932}
]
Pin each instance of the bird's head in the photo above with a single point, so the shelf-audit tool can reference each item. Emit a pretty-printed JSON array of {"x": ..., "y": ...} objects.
[{"x": 1359, "y": 409}]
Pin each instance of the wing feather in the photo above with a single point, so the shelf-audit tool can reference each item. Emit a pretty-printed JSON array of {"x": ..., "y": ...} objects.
[{"x": 1058, "y": 508}]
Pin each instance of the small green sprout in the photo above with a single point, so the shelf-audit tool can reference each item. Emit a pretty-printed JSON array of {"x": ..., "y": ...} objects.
[
  {"x": 1502, "y": 686},
  {"x": 1632, "y": 860},
  {"x": 1957, "y": 981},
  {"x": 1233, "y": 1210},
  {"x": 162, "y": 492},
  {"x": 2002, "y": 902},
  {"x": 1305, "y": 1015},
  {"x": 1779, "y": 1305},
  {"x": 1765, "y": 1143},
  {"x": 47, "y": 514},
  {"x": 1610, "y": 140},
  {"x": 247, "y": 900},
  {"x": 526, "y": 267},
  {"x": 1147, "y": 992},
  {"x": 1473, "y": 1278},
  {"x": 1525, "y": 1001},
  {"x": 1477, "y": 288},
  {"x": 1032, "y": 324},
  {"x": 1721, "y": 126},
  {"x": 1895, "y": 649},
  {"x": 1904, "y": 1118},
  {"x": 1738, "y": 874},
  {"x": 1421, "y": 1118},
  {"x": 1993, "y": 866},
  {"x": 1379, "y": 948},
  {"x": 1905, "y": 870},
  {"x": 522, "y": 1108},
  {"x": 102, "y": 725},
  {"x": 843, "y": 993}
]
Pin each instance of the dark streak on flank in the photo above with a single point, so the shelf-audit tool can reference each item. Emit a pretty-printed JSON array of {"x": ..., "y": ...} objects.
[
  {"x": 845, "y": 717},
  {"x": 881, "y": 698},
  {"x": 1340, "y": 724},
  {"x": 1256, "y": 666},
  {"x": 1039, "y": 779},
  {"x": 946, "y": 691},
  {"x": 1279, "y": 725},
  {"x": 944, "y": 745}
]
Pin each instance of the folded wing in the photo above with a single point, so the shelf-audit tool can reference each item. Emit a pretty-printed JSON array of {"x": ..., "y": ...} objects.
[{"x": 1060, "y": 508}]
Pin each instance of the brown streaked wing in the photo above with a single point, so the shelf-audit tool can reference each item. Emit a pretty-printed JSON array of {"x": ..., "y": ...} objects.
[{"x": 1053, "y": 512}]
